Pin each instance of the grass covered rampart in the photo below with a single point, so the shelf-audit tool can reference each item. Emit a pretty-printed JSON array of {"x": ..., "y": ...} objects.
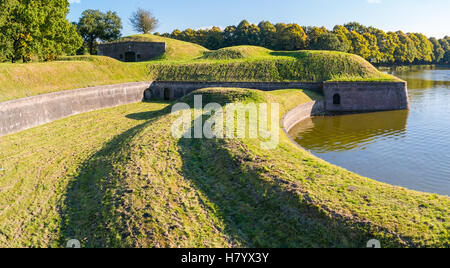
[
  {"x": 185, "y": 62},
  {"x": 131, "y": 184}
]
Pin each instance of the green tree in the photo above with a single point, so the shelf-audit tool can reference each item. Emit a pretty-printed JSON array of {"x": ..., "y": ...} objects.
[
  {"x": 229, "y": 36},
  {"x": 389, "y": 46},
  {"x": 406, "y": 51},
  {"x": 290, "y": 37},
  {"x": 446, "y": 47},
  {"x": 267, "y": 34},
  {"x": 36, "y": 27},
  {"x": 360, "y": 46},
  {"x": 423, "y": 46},
  {"x": 438, "y": 51},
  {"x": 356, "y": 27},
  {"x": 247, "y": 34},
  {"x": 375, "y": 56},
  {"x": 313, "y": 34},
  {"x": 215, "y": 38},
  {"x": 329, "y": 41},
  {"x": 344, "y": 36},
  {"x": 189, "y": 35},
  {"x": 95, "y": 26},
  {"x": 143, "y": 21}
]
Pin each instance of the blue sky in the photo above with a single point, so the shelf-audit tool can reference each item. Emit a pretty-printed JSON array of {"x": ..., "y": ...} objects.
[{"x": 430, "y": 17}]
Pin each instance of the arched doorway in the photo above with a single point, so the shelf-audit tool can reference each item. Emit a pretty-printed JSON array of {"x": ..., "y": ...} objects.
[
  {"x": 337, "y": 99},
  {"x": 130, "y": 56},
  {"x": 167, "y": 94}
]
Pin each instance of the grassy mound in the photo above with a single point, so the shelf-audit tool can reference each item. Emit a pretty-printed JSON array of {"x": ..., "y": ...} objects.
[
  {"x": 186, "y": 62},
  {"x": 130, "y": 183},
  {"x": 238, "y": 52},
  {"x": 198, "y": 192},
  {"x": 176, "y": 50},
  {"x": 270, "y": 66}
]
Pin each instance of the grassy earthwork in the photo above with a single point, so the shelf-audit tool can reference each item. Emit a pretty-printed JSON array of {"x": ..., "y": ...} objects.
[
  {"x": 117, "y": 178},
  {"x": 185, "y": 62}
]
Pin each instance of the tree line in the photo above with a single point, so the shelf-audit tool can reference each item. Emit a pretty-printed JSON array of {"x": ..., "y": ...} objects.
[
  {"x": 39, "y": 29},
  {"x": 375, "y": 45}
]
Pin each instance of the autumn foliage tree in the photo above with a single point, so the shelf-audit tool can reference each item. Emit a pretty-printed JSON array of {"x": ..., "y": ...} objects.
[{"x": 373, "y": 44}]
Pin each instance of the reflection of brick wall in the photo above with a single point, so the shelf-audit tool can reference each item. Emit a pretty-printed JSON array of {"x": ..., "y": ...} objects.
[
  {"x": 143, "y": 51},
  {"x": 365, "y": 96}
]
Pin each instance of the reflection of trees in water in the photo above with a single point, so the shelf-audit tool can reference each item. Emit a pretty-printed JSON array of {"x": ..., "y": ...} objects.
[
  {"x": 424, "y": 77},
  {"x": 341, "y": 133},
  {"x": 426, "y": 84}
]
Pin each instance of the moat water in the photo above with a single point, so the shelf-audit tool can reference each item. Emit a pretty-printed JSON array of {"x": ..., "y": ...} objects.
[{"x": 404, "y": 148}]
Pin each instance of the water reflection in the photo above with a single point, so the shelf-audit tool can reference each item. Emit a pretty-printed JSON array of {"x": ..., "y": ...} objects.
[
  {"x": 348, "y": 132},
  {"x": 406, "y": 148},
  {"x": 424, "y": 77}
]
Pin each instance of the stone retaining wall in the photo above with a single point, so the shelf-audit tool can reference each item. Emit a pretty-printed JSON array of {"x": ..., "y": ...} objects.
[
  {"x": 29, "y": 112},
  {"x": 21, "y": 114},
  {"x": 170, "y": 90},
  {"x": 365, "y": 96},
  {"x": 302, "y": 112}
]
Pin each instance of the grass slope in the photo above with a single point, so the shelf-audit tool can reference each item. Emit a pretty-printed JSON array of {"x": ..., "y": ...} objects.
[
  {"x": 252, "y": 64},
  {"x": 39, "y": 164},
  {"x": 185, "y": 62},
  {"x": 175, "y": 49},
  {"x": 130, "y": 183},
  {"x": 24, "y": 80}
]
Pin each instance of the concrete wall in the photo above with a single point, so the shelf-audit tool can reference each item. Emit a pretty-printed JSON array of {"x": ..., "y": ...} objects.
[
  {"x": 174, "y": 90},
  {"x": 144, "y": 51},
  {"x": 29, "y": 112},
  {"x": 365, "y": 96},
  {"x": 301, "y": 113}
]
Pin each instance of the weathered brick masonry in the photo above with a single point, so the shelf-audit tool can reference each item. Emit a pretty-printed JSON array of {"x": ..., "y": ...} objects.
[
  {"x": 338, "y": 96},
  {"x": 132, "y": 51},
  {"x": 171, "y": 90},
  {"x": 365, "y": 96}
]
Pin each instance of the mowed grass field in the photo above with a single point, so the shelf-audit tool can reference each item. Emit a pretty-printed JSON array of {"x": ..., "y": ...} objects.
[
  {"x": 38, "y": 165},
  {"x": 185, "y": 61},
  {"x": 117, "y": 178}
]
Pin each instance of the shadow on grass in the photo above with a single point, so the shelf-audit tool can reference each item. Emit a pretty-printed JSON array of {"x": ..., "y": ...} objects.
[
  {"x": 260, "y": 209},
  {"x": 148, "y": 115},
  {"x": 259, "y": 212},
  {"x": 88, "y": 211}
]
